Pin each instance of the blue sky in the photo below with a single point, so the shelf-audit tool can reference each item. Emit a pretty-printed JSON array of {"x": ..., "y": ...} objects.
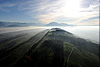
[{"x": 78, "y": 12}]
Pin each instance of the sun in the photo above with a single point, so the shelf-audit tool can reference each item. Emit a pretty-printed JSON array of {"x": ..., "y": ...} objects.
[{"x": 72, "y": 8}]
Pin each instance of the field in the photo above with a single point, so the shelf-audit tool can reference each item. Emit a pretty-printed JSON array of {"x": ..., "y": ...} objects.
[{"x": 49, "y": 48}]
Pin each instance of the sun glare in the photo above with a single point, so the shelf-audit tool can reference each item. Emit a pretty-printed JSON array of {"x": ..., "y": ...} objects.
[{"x": 72, "y": 8}]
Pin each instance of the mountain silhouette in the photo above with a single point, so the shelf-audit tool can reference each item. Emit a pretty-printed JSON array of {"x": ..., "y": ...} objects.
[
  {"x": 57, "y": 24},
  {"x": 19, "y": 24}
]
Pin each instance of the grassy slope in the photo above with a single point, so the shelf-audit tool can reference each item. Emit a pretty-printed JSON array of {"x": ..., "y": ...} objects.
[
  {"x": 51, "y": 50},
  {"x": 80, "y": 58},
  {"x": 10, "y": 55},
  {"x": 54, "y": 48},
  {"x": 85, "y": 53}
]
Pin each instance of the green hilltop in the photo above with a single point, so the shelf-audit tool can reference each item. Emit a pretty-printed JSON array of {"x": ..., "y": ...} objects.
[
  {"x": 50, "y": 48},
  {"x": 54, "y": 50}
]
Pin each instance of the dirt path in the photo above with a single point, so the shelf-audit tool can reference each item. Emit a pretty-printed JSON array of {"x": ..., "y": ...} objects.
[{"x": 69, "y": 55}]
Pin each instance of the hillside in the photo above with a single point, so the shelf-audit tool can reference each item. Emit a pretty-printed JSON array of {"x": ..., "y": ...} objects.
[{"x": 50, "y": 48}]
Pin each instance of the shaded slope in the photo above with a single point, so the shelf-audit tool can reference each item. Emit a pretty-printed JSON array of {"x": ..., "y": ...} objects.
[
  {"x": 48, "y": 54},
  {"x": 76, "y": 41},
  {"x": 85, "y": 53},
  {"x": 12, "y": 56},
  {"x": 53, "y": 48}
]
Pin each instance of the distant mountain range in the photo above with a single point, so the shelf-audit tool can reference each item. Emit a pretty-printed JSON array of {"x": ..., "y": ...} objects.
[
  {"x": 57, "y": 24},
  {"x": 18, "y": 24}
]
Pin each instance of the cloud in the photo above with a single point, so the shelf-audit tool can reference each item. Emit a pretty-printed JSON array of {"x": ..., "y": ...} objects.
[
  {"x": 90, "y": 22},
  {"x": 67, "y": 11},
  {"x": 87, "y": 3},
  {"x": 5, "y": 6},
  {"x": 47, "y": 11}
]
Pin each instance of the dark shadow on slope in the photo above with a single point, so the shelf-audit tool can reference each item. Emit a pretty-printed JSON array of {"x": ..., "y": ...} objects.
[{"x": 49, "y": 54}]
